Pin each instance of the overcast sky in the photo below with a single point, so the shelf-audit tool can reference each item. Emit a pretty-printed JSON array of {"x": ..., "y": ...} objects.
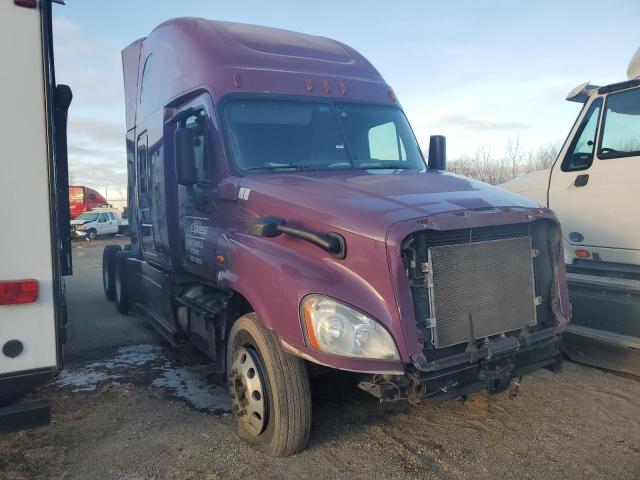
[{"x": 479, "y": 72}]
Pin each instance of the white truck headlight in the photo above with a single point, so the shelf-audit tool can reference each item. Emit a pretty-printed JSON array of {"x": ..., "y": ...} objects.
[{"x": 336, "y": 328}]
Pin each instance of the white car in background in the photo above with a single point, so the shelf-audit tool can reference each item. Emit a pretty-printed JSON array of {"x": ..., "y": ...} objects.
[{"x": 94, "y": 223}]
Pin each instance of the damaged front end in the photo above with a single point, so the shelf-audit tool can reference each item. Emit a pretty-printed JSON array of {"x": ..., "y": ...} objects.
[{"x": 489, "y": 302}]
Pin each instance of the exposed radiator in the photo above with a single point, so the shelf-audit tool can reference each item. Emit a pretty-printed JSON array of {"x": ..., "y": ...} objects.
[{"x": 480, "y": 289}]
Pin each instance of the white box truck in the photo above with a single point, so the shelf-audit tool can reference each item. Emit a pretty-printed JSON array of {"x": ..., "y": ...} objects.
[
  {"x": 593, "y": 188},
  {"x": 34, "y": 182}
]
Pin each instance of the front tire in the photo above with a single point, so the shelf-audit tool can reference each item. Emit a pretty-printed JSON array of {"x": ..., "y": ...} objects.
[
  {"x": 269, "y": 390},
  {"x": 92, "y": 235}
]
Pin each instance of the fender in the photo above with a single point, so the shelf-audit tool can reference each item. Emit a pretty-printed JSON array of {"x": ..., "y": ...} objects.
[{"x": 288, "y": 264}]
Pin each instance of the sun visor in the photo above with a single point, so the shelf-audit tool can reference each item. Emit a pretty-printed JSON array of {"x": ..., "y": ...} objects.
[
  {"x": 633, "y": 72},
  {"x": 582, "y": 92}
]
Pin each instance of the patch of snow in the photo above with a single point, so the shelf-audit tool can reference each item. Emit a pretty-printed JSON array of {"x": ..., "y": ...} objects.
[
  {"x": 136, "y": 362},
  {"x": 190, "y": 383},
  {"x": 83, "y": 379},
  {"x": 133, "y": 355}
]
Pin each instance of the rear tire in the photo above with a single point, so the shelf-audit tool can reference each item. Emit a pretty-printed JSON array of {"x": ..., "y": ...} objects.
[
  {"x": 109, "y": 270},
  {"x": 256, "y": 363},
  {"x": 121, "y": 287}
]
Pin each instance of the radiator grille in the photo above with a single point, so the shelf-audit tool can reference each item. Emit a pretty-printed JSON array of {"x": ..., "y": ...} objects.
[{"x": 481, "y": 289}]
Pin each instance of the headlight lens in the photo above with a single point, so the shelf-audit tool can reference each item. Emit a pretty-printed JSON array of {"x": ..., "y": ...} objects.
[
  {"x": 80, "y": 227},
  {"x": 339, "y": 329}
]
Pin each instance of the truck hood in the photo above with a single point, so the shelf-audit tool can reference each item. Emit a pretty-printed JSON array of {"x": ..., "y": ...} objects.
[
  {"x": 79, "y": 222},
  {"x": 532, "y": 185},
  {"x": 367, "y": 202}
]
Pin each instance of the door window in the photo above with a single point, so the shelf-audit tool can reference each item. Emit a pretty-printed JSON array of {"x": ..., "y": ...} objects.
[
  {"x": 580, "y": 153},
  {"x": 111, "y": 217},
  {"x": 202, "y": 155},
  {"x": 621, "y": 125},
  {"x": 142, "y": 165},
  {"x": 102, "y": 218}
]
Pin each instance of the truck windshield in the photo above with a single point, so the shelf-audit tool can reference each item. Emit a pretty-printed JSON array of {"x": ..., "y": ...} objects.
[
  {"x": 285, "y": 135},
  {"x": 88, "y": 216}
]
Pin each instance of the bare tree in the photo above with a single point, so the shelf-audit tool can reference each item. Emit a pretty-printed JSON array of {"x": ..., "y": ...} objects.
[
  {"x": 485, "y": 167},
  {"x": 513, "y": 154}
]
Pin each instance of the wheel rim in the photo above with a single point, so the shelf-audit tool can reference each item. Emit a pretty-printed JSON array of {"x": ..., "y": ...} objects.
[{"x": 247, "y": 391}]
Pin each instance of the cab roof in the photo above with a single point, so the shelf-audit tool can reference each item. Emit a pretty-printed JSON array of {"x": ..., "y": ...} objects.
[{"x": 186, "y": 54}]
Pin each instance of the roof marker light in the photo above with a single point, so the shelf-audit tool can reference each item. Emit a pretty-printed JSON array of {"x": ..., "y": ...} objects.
[
  {"x": 325, "y": 86},
  {"x": 343, "y": 88},
  {"x": 309, "y": 84},
  {"x": 236, "y": 80},
  {"x": 392, "y": 96},
  {"x": 18, "y": 291}
]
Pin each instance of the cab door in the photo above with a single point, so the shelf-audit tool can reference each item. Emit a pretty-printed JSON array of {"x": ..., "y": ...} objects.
[
  {"x": 194, "y": 134},
  {"x": 594, "y": 189},
  {"x": 102, "y": 224},
  {"x": 113, "y": 223}
]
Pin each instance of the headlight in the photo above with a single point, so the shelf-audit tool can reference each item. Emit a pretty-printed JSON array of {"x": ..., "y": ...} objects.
[
  {"x": 80, "y": 227},
  {"x": 339, "y": 329}
]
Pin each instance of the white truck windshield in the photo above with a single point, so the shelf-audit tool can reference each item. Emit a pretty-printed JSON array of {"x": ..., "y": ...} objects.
[
  {"x": 621, "y": 132},
  {"x": 88, "y": 216}
]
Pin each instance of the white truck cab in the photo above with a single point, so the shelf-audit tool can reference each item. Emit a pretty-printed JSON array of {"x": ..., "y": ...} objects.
[
  {"x": 100, "y": 221},
  {"x": 593, "y": 187}
]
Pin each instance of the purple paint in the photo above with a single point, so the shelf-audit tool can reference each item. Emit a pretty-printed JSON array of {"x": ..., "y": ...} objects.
[{"x": 196, "y": 63}]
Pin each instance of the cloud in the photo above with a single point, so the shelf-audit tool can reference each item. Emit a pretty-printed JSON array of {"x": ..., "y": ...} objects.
[
  {"x": 463, "y": 120},
  {"x": 90, "y": 65},
  {"x": 96, "y": 130},
  {"x": 100, "y": 175}
]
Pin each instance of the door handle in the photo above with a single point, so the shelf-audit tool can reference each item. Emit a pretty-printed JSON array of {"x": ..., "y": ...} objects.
[{"x": 581, "y": 180}]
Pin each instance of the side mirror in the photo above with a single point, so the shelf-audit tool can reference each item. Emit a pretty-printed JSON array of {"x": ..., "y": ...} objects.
[
  {"x": 437, "y": 152},
  {"x": 185, "y": 156}
]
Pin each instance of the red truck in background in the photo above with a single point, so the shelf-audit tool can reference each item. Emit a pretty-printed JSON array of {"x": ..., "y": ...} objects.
[{"x": 84, "y": 199}]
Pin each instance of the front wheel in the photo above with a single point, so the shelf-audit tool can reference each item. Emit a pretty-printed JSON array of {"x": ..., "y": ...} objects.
[
  {"x": 92, "y": 234},
  {"x": 269, "y": 390}
]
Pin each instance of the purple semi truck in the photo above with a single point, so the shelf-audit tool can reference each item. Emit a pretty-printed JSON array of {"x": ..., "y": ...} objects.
[{"x": 282, "y": 214}]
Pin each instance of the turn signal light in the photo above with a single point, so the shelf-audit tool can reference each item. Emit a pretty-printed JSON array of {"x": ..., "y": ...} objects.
[
  {"x": 308, "y": 321},
  {"x": 582, "y": 254},
  {"x": 18, "y": 291}
]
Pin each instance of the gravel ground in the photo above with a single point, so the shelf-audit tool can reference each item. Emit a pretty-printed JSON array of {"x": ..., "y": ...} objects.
[{"x": 129, "y": 407}]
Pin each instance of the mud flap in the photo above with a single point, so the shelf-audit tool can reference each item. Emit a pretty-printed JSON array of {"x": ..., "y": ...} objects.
[{"x": 25, "y": 414}]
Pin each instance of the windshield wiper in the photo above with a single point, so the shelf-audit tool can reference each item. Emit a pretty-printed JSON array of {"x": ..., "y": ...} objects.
[
  {"x": 382, "y": 167},
  {"x": 273, "y": 168}
]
